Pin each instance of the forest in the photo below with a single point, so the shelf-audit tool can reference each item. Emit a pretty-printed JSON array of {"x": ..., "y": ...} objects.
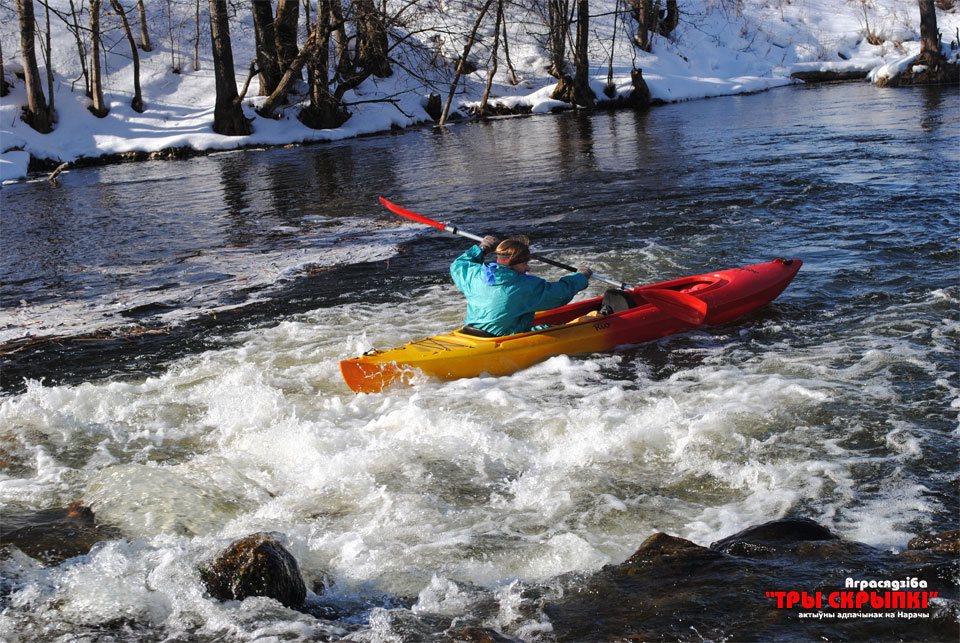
[{"x": 309, "y": 60}]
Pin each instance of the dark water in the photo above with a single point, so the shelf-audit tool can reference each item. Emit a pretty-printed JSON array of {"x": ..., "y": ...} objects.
[{"x": 174, "y": 310}]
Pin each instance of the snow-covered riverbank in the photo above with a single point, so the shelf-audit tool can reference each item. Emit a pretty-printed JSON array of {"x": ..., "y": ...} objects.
[{"x": 713, "y": 52}]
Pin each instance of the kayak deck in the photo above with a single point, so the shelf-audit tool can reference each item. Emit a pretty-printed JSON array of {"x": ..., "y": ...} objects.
[{"x": 573, "y": 329}]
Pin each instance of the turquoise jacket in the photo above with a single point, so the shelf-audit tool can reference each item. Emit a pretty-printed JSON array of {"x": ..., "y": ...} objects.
[{"x": 500, "y": 300}]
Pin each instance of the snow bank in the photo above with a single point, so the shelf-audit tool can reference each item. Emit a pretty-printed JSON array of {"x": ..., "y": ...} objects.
[{"x": 713, "y": 52}]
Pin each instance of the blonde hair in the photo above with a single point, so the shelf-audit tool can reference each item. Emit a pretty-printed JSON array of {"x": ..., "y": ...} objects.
[{"x": 514, "y": 250}]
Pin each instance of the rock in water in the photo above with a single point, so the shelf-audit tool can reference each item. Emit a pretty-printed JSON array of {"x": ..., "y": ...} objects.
[
  {"x": 54, "y": 535},
  {"x": 673, "y": 589},
  {"x": 257, "y": 565},
  {"x": 773, "y": 536},
  {"x": 948, "y": 541}
]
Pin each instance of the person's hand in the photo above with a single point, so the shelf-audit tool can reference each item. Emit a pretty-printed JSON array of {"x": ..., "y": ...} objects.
[
  {"x": 585, "y": 271},
  {"x": 489, "y": 243}
]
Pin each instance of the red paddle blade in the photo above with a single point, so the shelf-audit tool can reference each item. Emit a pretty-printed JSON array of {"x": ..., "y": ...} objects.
[
  {"x": 410, "y": 214},
  {"x": 678, "y": 304}
]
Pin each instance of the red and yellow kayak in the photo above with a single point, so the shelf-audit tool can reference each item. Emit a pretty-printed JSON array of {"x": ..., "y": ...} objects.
[{"x": 728, "y": 294}]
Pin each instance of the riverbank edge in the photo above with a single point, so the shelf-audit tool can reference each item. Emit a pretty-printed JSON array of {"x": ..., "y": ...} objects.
[{"x": 465, "y": 113}]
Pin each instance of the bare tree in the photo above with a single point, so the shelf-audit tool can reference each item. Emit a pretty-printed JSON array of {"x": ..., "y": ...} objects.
[
  {"x": 174, "y": 40},
  {"x": 341, "y": 41},
  {"x": 929, "y": 36},
  {"x": 577, "y": 90},
  {"x": 506, "y": 56},
  {"x": 196, "y": 36},
  {"x": 610, "y": 89},
  {"x": 285, "y": 27},
  {"x": 137, "y": 102},
  {"x": 48, "y": 59},
  {"x": 144, "y": 33},
  {"x": 98, "y": 106},
  {"x": 493, "y": 60},
  {"x": 371, "y": 39},
  {"x": 329, "y": 80},
  {"x": 4, "y": 87},
  {"x": 558, "y": 27},
  {"x": 671, "y": 20},
  {"x": 325, "y": 110},
  {"x": 36, "y": 113},
  {"x": 274, "y": 100},
  {"x": 73, "y": 25},
  {"x": 582, "y": 94},
  {"x": 462, "y": 62},
  {"x": 228, "y": 118},
  {"x": 647, "y": 15},
  {"x": 266, "y": 41}
]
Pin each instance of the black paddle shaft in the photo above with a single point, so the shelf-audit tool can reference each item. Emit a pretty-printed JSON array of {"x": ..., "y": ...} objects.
[{"x": 621, "y": 286}]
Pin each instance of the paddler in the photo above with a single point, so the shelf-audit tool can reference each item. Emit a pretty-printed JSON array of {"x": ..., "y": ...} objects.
[{"x": 501, "y": 296}]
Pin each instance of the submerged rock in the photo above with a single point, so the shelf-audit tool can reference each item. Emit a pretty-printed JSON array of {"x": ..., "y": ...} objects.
[
  {"x": 674, "y": 589},
  {"x": 257, "y": 565},
  {"x": 54, "y": 535},
  {"x": 948, "y": 541},
  {"x": 476, "y": 635}
]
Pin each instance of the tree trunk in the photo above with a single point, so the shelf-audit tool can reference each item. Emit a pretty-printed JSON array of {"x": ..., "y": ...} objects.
[
  {"x": 98, "y": 108},
  {"x": 324, "y": 111},
  {"x": 4, "y": 88},
  {"x": 668, "y": 24},
  {"x": 293, "y": 72},
  {"x": 266, "y": 40},
  {"x": 144, "y": 33},
  {"x": 506, "y": 56},
  {"x": 48, "y": 56},
  {"x": 74, "y": 28},
  {"x": 558, "y": 16},
  {"x": 371, "y": 39},
  {"x": 493, "y": 61},
  {"x": 36, "y": 114},
  {"x": 582, "y": 94},
  {"x": 137, "y": 102},
  {"x": 640, "y": 96},
  {"x": 174, "y": 40},
  {"x": 462, "y": 62},
  {"x": 646, "y": 16},
  {"x": 929, "y": 37},
  {"x": 610, "y": 89},
  {"x": 196, "y": 36},
  {"x": 285, "y": 26},
  {"x": 341, "y": 42},
  {"x": 228, "y": 118},
  {"x": 576, "y": 90}
]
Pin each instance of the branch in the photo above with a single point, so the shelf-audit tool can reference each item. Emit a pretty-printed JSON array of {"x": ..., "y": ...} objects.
[{"x": 253, "y": 72}]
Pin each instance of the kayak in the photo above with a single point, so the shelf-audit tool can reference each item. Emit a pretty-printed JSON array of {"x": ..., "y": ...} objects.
[{"x": 573, "y": 329}]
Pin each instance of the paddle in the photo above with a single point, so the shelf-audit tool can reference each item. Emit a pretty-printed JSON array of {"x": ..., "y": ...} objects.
[{"x": 677, "y": 304}]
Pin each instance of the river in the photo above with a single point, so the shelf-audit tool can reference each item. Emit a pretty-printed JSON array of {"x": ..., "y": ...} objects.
[{"x": 191, "y": 395}]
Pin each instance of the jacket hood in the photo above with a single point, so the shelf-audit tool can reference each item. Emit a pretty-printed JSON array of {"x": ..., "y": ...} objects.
[{"x": 496, "y": 275}]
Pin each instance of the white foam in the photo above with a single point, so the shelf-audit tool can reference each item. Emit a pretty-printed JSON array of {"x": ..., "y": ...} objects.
[{"x": 442, "y": 488}]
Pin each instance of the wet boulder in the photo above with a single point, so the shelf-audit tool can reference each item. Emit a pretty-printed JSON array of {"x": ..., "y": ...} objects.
[
  {"x": 661, "y": 547},
  {"x": 947, "y": 541},
  {"x": 476, "y": 635},
  {"x": 773, "y": 537},
  {"x": 54, "y": 535},
  {"x": 257, "y": 565},
  {"x": 674, "y": 589}
]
